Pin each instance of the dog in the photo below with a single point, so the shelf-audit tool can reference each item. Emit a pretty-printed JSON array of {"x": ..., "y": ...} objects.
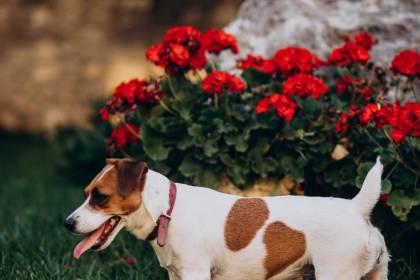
[{"x": 201, "y": 234}]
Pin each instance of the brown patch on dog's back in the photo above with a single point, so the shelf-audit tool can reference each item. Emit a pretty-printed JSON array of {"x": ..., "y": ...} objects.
[
  {"x": 283, "y": 245},
  {"x": 245, "y": 218}
]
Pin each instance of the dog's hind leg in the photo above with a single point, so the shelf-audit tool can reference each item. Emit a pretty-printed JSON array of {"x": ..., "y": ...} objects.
[{"x": 380, "y": 270}]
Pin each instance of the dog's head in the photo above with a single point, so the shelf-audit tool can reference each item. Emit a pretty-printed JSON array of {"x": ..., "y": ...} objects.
[{"x": 112, "y": 195}]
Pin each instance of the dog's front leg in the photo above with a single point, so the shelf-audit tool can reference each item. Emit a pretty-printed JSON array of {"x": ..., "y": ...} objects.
[{"x": 173, "y": 276}]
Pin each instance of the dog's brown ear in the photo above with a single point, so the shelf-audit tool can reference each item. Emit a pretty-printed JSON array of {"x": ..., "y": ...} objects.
[{"x": 131, "y": 174}]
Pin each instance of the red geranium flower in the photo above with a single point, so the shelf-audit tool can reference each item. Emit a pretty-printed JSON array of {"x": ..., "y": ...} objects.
[
  {"x": 179, "y": 55},
  {"x": 353, "y": 112},
  {"x": 218, "y": 81},
  {"x": 384, "y": 197},
  {"x": 263, "y": 106},
  {"x": 103, "y": 112},
  {"x": 296, "y": 60},
  {"x": 216, "y": 40},
  {"x": 368, "y": 113},
  {"x": 305, "y": 85},
  {"x": 406, "y": 63},
  {"x": 353, "y": 85},
  {"x": 181, "y": 50},
  {"x": 350, "y": 52},
  {"x": 125, "y": 134},
  {"x": 365, "y": 40},
  {"x": 282, "y": 104},
  {"x": 184, "y": 35},
  {"x": 345, "y": 84},
  {"x": 140, "y": 91},
  {"x": 155, "y": 54},
  {"x": 342, "y": 125},
  {"x": 258, "y": 63}
]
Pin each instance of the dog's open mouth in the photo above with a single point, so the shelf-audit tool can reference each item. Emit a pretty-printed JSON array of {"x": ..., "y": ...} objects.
[{"x": 97, "y": 238}]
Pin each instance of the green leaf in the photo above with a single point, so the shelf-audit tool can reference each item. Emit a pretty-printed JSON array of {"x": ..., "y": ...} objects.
[
  {"x": 239, "y": 141},
  {"x": 386, "y": 186},
  {"x": 210, "y": 147},
  {"x": 200, "y": 173},
  {"x": 153, "y": 145},
  {"x": 253, "y": 77},
  {"x": 237, "y": 174},
  {"x": 362, "y": 171},
  {"x": 184, "y": 143},
  {"x": 197, "y": 132},
  {"x": 401, "y": 203}
]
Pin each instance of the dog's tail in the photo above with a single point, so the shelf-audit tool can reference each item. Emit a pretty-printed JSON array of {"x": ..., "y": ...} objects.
[{"x": 366, "y": 199}]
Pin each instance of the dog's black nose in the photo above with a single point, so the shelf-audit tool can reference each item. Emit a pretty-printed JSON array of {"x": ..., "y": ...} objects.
[{"x": 70, "y": 224}]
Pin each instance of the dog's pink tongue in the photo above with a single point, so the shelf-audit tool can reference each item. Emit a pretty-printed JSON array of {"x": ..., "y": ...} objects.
[{"x": 88, "y": 242}]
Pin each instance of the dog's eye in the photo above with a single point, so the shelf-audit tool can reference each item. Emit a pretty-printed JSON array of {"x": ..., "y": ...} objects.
[{"x": 98, "y": 198}]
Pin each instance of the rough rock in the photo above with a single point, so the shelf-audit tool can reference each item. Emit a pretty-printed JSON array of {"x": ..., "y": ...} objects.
[{"x": 263, "y": 26}]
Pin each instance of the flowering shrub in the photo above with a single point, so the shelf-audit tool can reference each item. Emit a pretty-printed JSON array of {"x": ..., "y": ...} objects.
[{"x": 319, "y": 122}]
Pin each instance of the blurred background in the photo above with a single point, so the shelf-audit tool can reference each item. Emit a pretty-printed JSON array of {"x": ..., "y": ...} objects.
[{"x": 57, "y": 56}]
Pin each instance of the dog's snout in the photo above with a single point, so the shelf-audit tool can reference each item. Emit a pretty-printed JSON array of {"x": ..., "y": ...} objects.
[{"x": 70, "y": 224}]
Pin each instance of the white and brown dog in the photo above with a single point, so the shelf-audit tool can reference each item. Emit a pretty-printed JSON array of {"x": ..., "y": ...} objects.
[{"x": 211, "y": 235}]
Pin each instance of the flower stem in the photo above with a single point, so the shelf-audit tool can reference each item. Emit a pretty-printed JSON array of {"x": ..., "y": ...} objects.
[
  {"x": 392, "y": 170},
  {"x": 164, "y": 106},
  {"x": 371, "y": 137},
  {"x": 216, "y": 101},
  {"x": 171, "y": 86},
  {"x": 416, "y": 158},
  {"x": 414, "y": 91},
  {"x": 212, "y": 65}
]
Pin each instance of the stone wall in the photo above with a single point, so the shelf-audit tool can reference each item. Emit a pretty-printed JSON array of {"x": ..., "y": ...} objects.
[{"x": 263, "y": 26}]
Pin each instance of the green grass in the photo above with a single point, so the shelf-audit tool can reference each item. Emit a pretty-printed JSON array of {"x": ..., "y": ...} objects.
[{"x": 34, "y": 200}]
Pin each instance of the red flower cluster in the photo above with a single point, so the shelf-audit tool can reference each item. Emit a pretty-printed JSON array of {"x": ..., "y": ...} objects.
[
  {"x": 348, "y": 53},
  {"x": 282, "y": 104},
  {"x": 217, "y": 82},
  {"x": 364, "y": 40},
  {"x": 183, "y": 48},
  {"x": 180, "y": 50},
  {"x": 216, "y": 40},
  {"x": 305, "y": 85},
  {"x": 407, "y": 63},
  {"x": 134, "y": 92},
  {"x": 353, "y": 85},
  {"x": 354, "y": 50},
  {"x": 404, "y": 120},
  {"x": 342, "y": 124},
  {"x": 139, "y": 91},
  {"x": 258, "y": 63},
  {"x": 293, "y": 60},
  {"x": 125, "y": 134}
]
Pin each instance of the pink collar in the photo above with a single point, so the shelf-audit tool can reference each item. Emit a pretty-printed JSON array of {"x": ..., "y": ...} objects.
[{"x": 161, "y": 229}]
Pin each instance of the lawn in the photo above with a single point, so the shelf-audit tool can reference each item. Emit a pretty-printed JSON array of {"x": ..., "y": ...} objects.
[{"x": 35, "y": 199}]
